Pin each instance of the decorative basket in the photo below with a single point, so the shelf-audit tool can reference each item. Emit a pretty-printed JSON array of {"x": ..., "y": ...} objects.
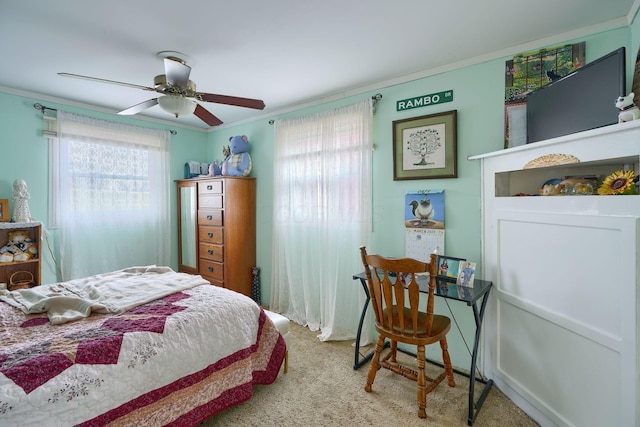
[
  {"x": 21, "y": 280},
  {"x": 551, "y": 160}
]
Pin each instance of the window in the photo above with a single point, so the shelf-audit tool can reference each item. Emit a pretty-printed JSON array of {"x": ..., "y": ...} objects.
[
  {"x": 322, "y": 215},
  {"x": 109, "y": 195}
]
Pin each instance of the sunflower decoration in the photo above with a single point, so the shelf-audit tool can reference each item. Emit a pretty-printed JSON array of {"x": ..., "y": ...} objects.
[{"x": 619, "y": 182}]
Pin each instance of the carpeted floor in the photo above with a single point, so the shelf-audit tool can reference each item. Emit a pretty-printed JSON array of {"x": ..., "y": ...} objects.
[{"x": 322, "y": 389}]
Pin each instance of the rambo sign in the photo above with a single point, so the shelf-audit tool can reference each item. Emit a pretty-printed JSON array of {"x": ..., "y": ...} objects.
[{"x": 424, "y": 100}]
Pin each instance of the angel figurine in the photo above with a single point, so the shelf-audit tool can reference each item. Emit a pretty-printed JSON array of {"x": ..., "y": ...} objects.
[{"x": 20, "y": 197}]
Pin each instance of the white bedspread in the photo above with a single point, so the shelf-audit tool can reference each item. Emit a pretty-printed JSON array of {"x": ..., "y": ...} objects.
[
  {"x": 173, "y": 361},
  {"x": 114, "y": 292}
]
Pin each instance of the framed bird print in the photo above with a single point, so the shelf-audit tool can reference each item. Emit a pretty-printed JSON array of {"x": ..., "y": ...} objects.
[
  {"x": 425, "y": 147},
  {"x": 424, "y": 223},
  {"x": 424, "y": 209}
]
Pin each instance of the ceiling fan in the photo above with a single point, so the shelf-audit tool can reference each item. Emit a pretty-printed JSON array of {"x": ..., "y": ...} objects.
[{"x": 178, "y": 93}]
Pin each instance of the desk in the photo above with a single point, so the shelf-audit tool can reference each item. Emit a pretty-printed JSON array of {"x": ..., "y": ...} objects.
[{"x": 470, "y": 296}]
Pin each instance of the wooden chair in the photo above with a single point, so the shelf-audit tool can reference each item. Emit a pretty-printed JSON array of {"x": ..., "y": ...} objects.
[{"x": 396, "y": 321}]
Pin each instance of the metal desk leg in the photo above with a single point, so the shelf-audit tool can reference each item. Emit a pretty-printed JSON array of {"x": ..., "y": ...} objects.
[
  {"x": 357, "y": 364},
  {"x": 474, "y": 408}
]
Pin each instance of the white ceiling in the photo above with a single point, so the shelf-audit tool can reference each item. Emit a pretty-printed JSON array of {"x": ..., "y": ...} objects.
[{"x": 288, "y": 53}]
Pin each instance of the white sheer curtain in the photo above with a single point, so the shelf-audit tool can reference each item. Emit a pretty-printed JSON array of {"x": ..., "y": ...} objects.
[
  {"x": 110, "y": 195},
  {"x": 322, "y": 215}
]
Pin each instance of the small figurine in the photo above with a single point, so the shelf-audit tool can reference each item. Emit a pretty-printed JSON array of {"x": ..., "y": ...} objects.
[
  {"x": 628, "y": 110},
  {"x": 215, "y": 168},
  {"x": 550, "y": 190},
  {"x": 20, "y": 198}
]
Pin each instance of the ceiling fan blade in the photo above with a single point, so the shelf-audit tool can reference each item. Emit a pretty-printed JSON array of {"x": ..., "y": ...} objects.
[
  {"x": 177, "y": 72},
  {"x": 95, "y": 79},
  {"x": 139, "y": 107},
  {"x": 231, "y": 100},
  {"x": 204, "y": 115}
]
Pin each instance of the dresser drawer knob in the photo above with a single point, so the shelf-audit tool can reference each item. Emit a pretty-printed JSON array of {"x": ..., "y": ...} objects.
[
  {"x": 209, "y": 217},
  {"x": 210, "y": 269},
  {"x": 210, "y": 234},
  {"x": 210, "y": 251},
  {"x": 209, "y": 187}
]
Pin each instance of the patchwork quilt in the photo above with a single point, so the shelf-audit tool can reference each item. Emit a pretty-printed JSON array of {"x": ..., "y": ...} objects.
[{"x": 176, "y": 360}]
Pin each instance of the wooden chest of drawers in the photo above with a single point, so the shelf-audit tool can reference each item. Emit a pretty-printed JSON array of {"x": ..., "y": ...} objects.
[{"x": 226, "y": 231}]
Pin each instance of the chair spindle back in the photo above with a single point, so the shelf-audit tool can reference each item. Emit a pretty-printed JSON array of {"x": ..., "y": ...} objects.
[{"x": 389, "y": 300}]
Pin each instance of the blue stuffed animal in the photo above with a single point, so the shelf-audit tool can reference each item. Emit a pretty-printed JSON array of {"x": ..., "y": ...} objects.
[{"x": 239, "y": 161}]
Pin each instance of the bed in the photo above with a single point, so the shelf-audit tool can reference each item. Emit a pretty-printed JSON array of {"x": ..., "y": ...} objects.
[{"x": 96, "y": 351}]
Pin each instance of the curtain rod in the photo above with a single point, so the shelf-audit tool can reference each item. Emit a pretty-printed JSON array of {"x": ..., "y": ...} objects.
[
  {"x": 42, "y": 109},
  {"x": 377, "y": 97}
]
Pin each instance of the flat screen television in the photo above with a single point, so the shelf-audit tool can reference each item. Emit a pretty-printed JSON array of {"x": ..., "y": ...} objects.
[{"x": 582, "y": 100}]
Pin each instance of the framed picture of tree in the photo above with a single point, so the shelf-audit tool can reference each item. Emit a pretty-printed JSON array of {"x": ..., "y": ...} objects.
[{"x": 425, "y": 147}]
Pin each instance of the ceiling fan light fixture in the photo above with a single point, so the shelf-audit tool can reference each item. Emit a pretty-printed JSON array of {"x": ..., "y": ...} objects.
[
  {"x": 177, "y": 94},
  {"x": 177, "y": 105}
]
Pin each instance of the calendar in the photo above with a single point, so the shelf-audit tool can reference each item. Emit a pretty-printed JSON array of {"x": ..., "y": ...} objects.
[
  {"x": 421, "y": 243},
  {"x": 424, "y": 223}
]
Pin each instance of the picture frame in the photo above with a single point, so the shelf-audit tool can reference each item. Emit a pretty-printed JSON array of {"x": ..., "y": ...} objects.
[
  {"x": 450, "y": 273},
  {"x": 528, "y": 71},
  {"x": 425, "y": 147},
  {"x": 466, "y": 274},
  {"x": 5, "y": 215}
]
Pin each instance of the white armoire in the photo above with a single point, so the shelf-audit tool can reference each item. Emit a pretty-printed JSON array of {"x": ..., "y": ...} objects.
[{"x": 561, "y": 330}]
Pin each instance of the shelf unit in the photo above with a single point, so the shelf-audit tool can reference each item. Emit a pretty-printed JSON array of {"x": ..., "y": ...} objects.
[
  {"x": 561, "y": 331},
  {"x": 529, "y": 181},
  {"x": 33, "y": 266}
]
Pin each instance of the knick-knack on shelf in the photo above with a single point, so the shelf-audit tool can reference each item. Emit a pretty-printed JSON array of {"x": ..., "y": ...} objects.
[{"x": 21, "y": 197}]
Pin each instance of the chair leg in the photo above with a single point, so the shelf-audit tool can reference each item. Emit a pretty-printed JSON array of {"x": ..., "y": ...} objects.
[
  {"x": 394, "y": 353},
  {"x": 447, "y": 362},
  {"x": 286, "y": 361},
  {"x": 375, "y": 364},
  {"x": 422, "y": 383}
]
